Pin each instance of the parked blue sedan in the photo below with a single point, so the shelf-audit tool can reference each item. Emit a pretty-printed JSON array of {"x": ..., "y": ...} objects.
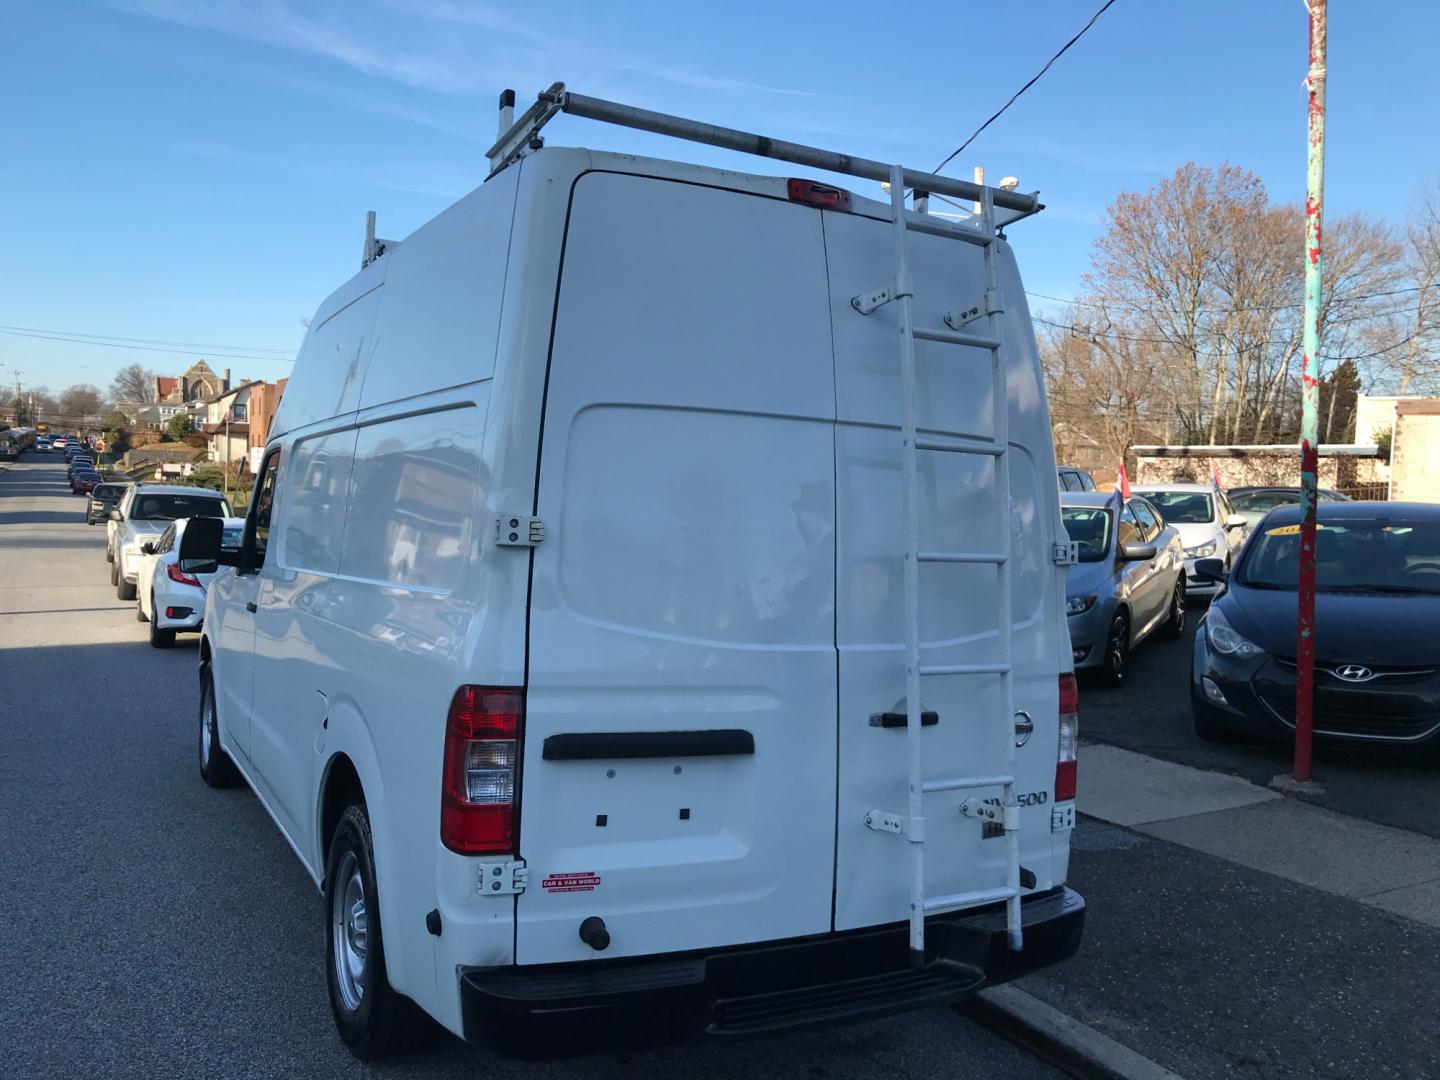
[{"x": 1129, "y": 582}]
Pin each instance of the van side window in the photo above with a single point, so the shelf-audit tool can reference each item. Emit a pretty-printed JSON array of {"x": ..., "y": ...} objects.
[
  {"x": 1130, "y": 532},
  {"x": 264, "y": 499},
  {"x": 315, "y": 494}
]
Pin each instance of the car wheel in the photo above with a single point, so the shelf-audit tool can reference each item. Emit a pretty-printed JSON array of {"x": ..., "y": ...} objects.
[
  {"x": 140, "y": 615},
  {"x": 216, "y": 768},
  {"x": 123, "y": 589},
  {"x": 159, "y": 638},
  {"x": 1175, "y": 623},
  {"x": 1116, "y": 666},
  {"x": 373, "y": 1020},
  {"x": 114, "y": 572}
]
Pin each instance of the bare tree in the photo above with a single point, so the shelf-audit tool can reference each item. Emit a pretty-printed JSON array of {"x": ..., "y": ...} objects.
[
  {"x": 79, "y": 404},
  {"x": 133, "y": 383}
]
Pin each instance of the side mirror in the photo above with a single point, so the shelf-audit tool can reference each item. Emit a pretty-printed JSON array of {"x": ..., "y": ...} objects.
[
  {"x": 1137, "y": 552},
  {"x": 1212, "y": 569},
  {"x": 200, "y": 551},
  {"x": 1235, "y": 521},
  {"x": 115, "y": 516},
  {"x": 147, "y": 548}
]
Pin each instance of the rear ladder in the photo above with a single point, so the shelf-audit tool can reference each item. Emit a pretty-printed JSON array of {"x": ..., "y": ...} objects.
[{"x": 912, "y": 826}]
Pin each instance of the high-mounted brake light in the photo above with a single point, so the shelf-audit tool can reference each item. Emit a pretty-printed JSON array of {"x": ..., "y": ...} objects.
[
  {"x": 478, "y": 813},
  {"x": 822, "y": 195},
  {"x": 1065, "y": 763},
  {"x": 174, "y": 573}
]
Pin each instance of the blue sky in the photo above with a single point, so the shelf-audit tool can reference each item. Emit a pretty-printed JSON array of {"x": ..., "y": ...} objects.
[{"x": 181, "y": 171}]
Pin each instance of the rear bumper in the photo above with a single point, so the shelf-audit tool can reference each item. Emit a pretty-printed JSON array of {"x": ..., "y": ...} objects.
[{"x": 763, "y": 989}]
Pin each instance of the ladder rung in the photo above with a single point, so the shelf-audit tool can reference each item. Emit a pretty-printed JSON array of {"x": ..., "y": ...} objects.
[
  {"x": 955, "y": 337},
  {"x": 996, "y": 557},
  {"x": 968, "y": 899},
  {"x": 966, "y": 783},
  {"x": 989, "y": 449},
  {"x": 931, "y": 226},
  {"x": 964, "y": 669}
]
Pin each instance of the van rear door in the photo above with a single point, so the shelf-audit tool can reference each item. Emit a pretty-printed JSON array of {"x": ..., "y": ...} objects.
[
  {"x": 959, "y": 602},
  {"x": 679, "y": 773}
]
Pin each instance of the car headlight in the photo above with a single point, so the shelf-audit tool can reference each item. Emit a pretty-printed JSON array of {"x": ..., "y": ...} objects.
[
  {"x": 1078, "y": 605},
  {"x": 1201, "y": 550},
  {"x": 1224, "y": 640}
]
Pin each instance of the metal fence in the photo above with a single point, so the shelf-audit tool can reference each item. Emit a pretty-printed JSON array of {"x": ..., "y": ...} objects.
[{"x": 1379, "y": 491}]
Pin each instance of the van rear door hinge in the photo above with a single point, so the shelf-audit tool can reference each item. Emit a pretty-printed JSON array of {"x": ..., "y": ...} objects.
[
  {"x": 1066, "y": 553},
  {"x": 515, "y": 530},
  {"x": 502, "y": 878}
]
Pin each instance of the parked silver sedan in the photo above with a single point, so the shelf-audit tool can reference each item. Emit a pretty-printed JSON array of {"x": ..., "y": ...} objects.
[{"x": 1129, "y": 582}]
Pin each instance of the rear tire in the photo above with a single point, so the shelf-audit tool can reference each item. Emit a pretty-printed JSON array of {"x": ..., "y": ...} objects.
[
  {"x": 216, "y": 768},
  {"x": 123, "y": 589},
  {"x": 1115, "y": 668},
  {"x": 1175, "y": 623},
  {"x": 159, "y": 638},
  {"x": 371, "y": 1018}
]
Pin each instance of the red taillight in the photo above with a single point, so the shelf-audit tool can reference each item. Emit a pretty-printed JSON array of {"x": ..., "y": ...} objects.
[
  {"x": 822, "y": 195},
  {"x": 1065, "y": 764},
  {"x": 478, "y": 813},
  {"x": 174, "y": 573}
]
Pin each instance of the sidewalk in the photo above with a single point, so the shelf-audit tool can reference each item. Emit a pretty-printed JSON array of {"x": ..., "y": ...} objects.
[{"x": 1233, "y": 932}]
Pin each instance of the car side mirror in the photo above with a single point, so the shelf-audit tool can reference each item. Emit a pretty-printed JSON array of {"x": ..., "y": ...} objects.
[
  {"x": 1235, "y": 521},
  {"x": 200, "y": 550},
  {"x": 147, "y": 548},
  {"x": 1211, "y": 569},
  {"x": 1137, "y": 552},
  {"x": 115, "y": 516}
]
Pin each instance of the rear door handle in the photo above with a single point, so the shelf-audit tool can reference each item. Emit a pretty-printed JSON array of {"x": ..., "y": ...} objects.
[
  {"x": 928, "y": 718},
  {"x": 250, "y": 606}
]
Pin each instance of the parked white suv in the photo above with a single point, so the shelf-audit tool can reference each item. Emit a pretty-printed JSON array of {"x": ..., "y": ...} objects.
[
  {"x": 143, "y": 513},
  {"x": 566, "y": 638}
]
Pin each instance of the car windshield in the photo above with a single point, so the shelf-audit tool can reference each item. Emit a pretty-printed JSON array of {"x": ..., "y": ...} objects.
[
  {"x": 1088, "y": 526},
  {"x": 1183, "y": 507},
  {"x": 161, "y": 506},
  {"x": 1360, "y": 555}
]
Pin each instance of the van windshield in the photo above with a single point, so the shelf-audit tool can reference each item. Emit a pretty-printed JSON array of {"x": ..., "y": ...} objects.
[{"x": 1088, "y": 526}]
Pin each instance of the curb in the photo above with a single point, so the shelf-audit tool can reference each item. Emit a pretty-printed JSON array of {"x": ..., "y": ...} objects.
[{"x": 1065, "y": 1042}]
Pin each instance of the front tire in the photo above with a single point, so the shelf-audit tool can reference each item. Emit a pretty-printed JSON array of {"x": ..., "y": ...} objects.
[
  {"x": 372, "y": 1019},
  {"x": 1207, "y": 728},
  {"x": 216, "y": 768},
  {"x": 1175, "y": 623},
  {"x": 1115, "y": 669}
]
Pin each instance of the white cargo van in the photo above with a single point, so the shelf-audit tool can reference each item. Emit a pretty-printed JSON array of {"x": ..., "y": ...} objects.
[{"x": 647, "y": 595}]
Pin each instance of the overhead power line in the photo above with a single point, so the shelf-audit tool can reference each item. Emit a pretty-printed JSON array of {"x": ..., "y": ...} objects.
[
  {"x": 1125, "y": 305},
  {"x": 1081, "y": 331},
  {"x": 210, "y": 351},
  {"x": 148, "y": 341},
  {"x": 1036, "y": 78}
]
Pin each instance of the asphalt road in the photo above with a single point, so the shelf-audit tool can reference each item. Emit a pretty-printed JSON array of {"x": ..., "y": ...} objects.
[
  {"x": 1151, "y": 716},
  {"x": 150, "y": 926}
]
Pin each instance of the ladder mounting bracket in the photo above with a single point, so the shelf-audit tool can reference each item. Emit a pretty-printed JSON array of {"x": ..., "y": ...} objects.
[
  {"x": 973, "y": 807},
  {"x": 1065, "y": 553},
  {"x": 964, "y": 316},
  {"x": 867, "y": 303},
  {"x": 880, "y": 821}
]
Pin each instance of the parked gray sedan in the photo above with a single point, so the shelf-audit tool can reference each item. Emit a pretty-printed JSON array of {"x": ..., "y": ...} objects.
[{"x": 1129, "y": 582}]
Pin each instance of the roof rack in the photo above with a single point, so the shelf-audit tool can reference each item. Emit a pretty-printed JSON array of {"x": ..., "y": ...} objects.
[{"x": 523, "y": 135}]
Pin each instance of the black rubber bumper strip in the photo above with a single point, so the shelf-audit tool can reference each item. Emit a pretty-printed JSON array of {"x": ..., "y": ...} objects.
[{"x": 604, "y": 745}]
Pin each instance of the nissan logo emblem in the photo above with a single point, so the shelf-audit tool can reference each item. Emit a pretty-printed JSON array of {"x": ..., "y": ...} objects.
[{"x": 1354, "y": 673}]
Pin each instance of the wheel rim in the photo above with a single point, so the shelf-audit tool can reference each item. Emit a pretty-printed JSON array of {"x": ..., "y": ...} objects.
[
  {"x": 349, "y": 931},
  {"x": 1178, "y": 612},
  {"x": 1117, "y": 649}
]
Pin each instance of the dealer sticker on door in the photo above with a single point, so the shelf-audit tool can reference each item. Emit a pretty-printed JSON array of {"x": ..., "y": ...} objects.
[{"x": 583, "y": 881}]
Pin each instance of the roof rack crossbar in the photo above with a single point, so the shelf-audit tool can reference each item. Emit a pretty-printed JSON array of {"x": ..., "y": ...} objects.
[{"x": 525, "y": 131}]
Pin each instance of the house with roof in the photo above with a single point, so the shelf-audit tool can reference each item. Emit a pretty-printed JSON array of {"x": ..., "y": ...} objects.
[
  {"x": 238, "y": 418},
  {"x": 198, "y": 383}
]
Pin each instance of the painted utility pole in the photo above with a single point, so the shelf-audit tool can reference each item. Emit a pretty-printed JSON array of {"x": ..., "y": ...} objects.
[{"x": 1310, "y": 391}]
